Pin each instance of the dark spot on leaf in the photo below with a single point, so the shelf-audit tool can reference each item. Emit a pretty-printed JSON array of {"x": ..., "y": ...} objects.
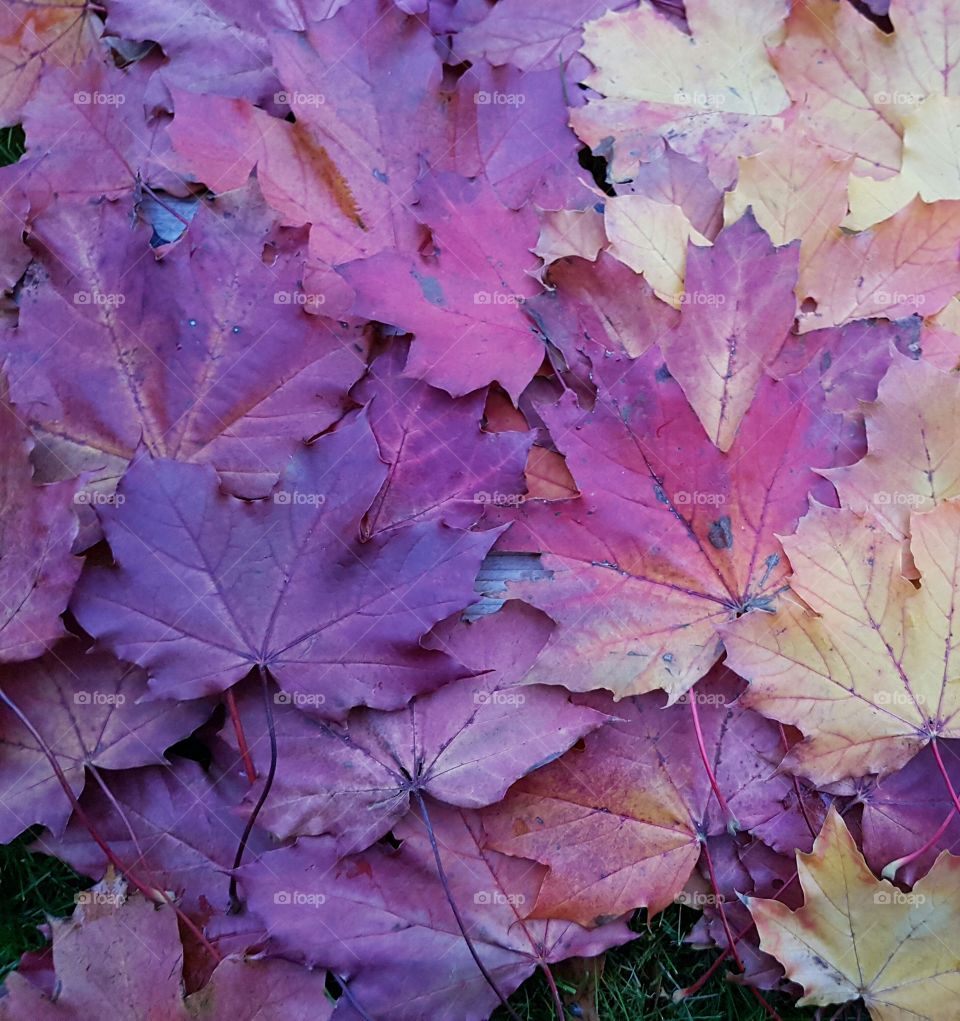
[
  {"x": 430, "y": 287},
  {"x": 720, "y": 535}
]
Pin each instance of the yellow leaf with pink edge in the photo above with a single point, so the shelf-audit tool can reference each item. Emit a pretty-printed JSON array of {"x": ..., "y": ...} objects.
[
  {"x": 651, "y": 238},
  {"x": 905, "y": 265},
  {"x": 869, "y": 668},
  {"x": 858, "y": 84},
  {"x": 797, "y": 190},
  {"x": 913, "y": 458},
  {"x": 931, "y": 165},
  {"x": 858, "y": 936}
]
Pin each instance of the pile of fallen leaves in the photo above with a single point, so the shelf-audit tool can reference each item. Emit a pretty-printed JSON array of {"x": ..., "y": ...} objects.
[{"x": 470, "y": 472}]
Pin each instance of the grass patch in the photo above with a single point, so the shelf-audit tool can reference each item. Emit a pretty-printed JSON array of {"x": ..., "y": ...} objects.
[
  {"x": 639, "y": 981},
  {"x": 12, "y": 144},
  {"x": 32, "y": 886}
]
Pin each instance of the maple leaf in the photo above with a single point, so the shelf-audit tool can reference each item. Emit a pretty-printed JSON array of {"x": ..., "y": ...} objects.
[
  {"x": 204, "y": 354},
  {"x": 909, "y": 816},
  {"x": 903, "y": 265},
  {"x": 721, "y": 105},
  {"x": 796, "y": 189},
  {"x": 37, "y": 529},
  {"x": 866, "y": 672},
  {"x": 738, "y": 306},
  {"x": 84, "y": 707},
  {"x": 640, "y": 791},
  {"x": 360, "y": 115},
  {"x": 132, "y": 948},
  {"x": 669, "y": 539},
  {"x": 603, "y": 301},
  {"x": 219, "y": 48},
  {"x": 207, "y": 588},
  {"x": 729, "y": 68},
  {"x": 382, "y": 921},
  {"x": 178, "y": 831},
  {"x": 113, "y": 144},
  {"x": 441, "y": 462},
  {"x": 912, "y": 461},
  {"x": 472, "y": 282},
  {"x": 463, "y": 745},
  {"x": 345, "y": 165},
  {"x": 36, "y": 37},
  {"x": 855, "y": 82},
  {"x": 857, "y": 936}
]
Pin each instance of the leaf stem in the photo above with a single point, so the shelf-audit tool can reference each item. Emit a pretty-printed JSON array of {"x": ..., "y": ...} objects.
[
  {"x": 554, "y": 992},
  {"x": 441, "y": 872},
  {"x": 891, "y": 869},
  {"x": 235, "y": 905},
  {"x": 351, "y": 999},
  {"x": 248, "y": 766},
  {"x": 108, "y": 794},
  {"x": 945, "y": 774},
  {"x": 732, "y": 825}
]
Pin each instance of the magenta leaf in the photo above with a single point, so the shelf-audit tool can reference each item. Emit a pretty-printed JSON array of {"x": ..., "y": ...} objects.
[
  {"x": 207, "y": 588},
  {"x": 206, "y": 353},
  {"x": 85, "y": 707},
  {"x": 382, "y": 920},
  {"x": 463, "y": 295},
  {"x": 441, "y": 463},
  {"x": 463, "y": 745},
  {"x": 670, "y": 537},
  {"x": 37, "y": 528}
]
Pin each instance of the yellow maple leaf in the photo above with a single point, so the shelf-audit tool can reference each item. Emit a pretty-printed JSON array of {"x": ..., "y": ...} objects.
[
  {"x": 869, "y": 668},
  {"x": 651, "y": 238},
  {"x": 913, "y": 458},
  {"x": 797, "y": 190},
  {"x": 858, "y": 936},
  {"x": 905, "y": 265}
]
